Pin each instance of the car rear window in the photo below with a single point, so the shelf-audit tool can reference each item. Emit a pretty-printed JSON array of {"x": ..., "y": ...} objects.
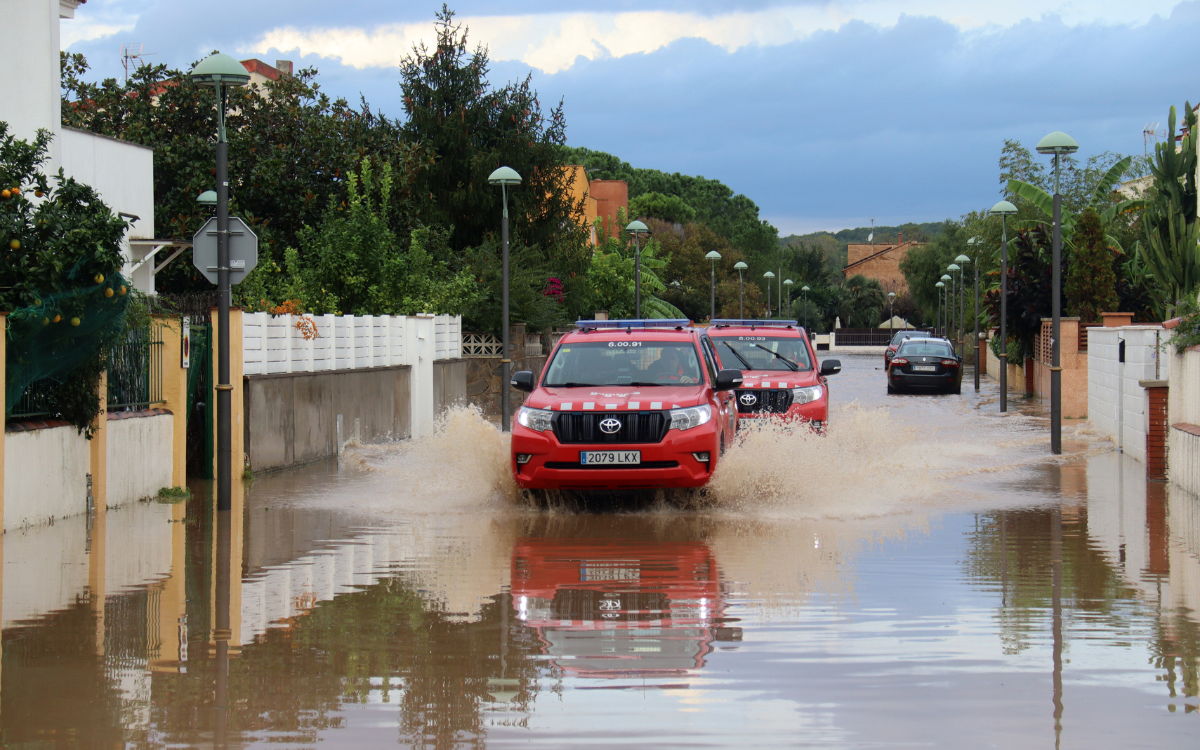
[
  {"x": 904, "y": 335},
  {"x": 625, "y": 362},
  {"x": 925, "y": 348}
]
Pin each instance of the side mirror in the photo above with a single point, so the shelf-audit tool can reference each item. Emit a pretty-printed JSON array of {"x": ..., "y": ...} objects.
[
  {"x": 727, "y": 380},
  {"x": 523, "y": 381},
  {"x": 831, "y": 367}
]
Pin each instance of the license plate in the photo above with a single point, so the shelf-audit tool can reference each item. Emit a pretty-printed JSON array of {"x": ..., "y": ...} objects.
[
  {"x": 589, "y": 458},
  {"x": 924, "y": 368}
]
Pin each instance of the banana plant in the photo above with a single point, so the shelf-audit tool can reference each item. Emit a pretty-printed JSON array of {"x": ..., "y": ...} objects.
[{"x": 1099, "y": 201}]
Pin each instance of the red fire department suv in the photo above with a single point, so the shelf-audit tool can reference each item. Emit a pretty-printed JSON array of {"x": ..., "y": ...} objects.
[
  {"x": 624, "y": 404},
  {"x": 779, "y": 368}
]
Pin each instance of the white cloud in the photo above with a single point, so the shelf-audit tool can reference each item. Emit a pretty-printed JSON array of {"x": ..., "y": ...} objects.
[{"x": 553, "y": 42}]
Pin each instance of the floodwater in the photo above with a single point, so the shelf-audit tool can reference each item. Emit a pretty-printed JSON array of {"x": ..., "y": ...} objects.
[{"x": 924, "y": 574}]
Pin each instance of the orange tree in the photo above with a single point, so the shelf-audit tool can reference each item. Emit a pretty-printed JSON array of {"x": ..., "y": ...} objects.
[{"x": 59, "y": 281}]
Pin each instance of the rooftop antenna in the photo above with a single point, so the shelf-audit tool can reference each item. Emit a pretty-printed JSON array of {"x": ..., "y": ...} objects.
[
  {"x": 1149, "y": 132},
  {"x": 871, "y": 236},
  {"x": 132, "y": 53}
]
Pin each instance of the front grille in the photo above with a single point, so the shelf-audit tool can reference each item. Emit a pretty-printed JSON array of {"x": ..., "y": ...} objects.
[
  {"x": 589, "y": 467},
  {"x": 773, "y": 401},
  {"x": 636, "y": 427}
]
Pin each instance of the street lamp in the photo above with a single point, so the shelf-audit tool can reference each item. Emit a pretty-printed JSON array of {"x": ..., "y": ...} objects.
[
  {"x": 806, "y": 290},
  {"x": 891, "y": 315},
  {"x": 714, "y": 256},
  {"x": 637, "y": 229},
  {"x": 963, "y": 259},
  {"x": 1059, "y": 144},
  {"x": 740, "y": 266},
  {"x": 1003, "y": 209},
  {"x": 956, "y": 312},
  {"x": 941, "y": 285},
  {"x": 504, "y": 177},
  {"x": 946, "y": 314},
  {"x": 222, "y": 72},
  {"x": 768, "y": 276},
  {"x": 786, "y": 310}
]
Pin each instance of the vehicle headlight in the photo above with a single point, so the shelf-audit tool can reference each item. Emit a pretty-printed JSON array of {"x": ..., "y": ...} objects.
[
  {"x": 686, "y": 419},
  {"x": 535, "y": 419},
  {"x": 807, "y": 395}
]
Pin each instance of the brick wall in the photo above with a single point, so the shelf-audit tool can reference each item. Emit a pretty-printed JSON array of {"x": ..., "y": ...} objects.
[{"x": 879, "y": 261}]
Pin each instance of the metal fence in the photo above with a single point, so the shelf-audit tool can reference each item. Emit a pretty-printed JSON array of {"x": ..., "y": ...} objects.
[
  {"x": 134, "y": 379},
  {"x": 135, "y": 371}
]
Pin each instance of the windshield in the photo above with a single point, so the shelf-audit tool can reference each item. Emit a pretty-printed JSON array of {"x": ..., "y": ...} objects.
[
  {"x": 924, "y": 348},
  {"x": 899, "y": 337},
  {"x": 638, "y": 363},
  {"x": 762, "y": 352}
]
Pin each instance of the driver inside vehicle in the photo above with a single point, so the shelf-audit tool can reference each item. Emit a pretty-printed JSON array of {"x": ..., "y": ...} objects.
[{"x": 669, "y": 369}]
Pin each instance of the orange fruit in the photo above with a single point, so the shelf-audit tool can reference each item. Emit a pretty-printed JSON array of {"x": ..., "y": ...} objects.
[
  {"x": 15, "y": 244},
  {"x": 45, "y": 321},
  {"x": 123, "y": 290},
  {"x": 5, "y": 194},
  {"x": 57, "y": 318},
  {"x": 75, "y": 321},
  {"x": 16, "y": 191},
  {"x": 108, "y": 292},
  {"x": 38, "y": 193},
  {"x": 99, "y": 278}
]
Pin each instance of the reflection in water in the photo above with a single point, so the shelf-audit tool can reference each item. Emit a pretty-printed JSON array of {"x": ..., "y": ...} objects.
[{"x": 338, "y": 608}]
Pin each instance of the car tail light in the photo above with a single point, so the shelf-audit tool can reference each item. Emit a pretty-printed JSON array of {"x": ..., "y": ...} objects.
[
  {"x": 949, "y": 363},
  {"x": 899, "y": 361}
]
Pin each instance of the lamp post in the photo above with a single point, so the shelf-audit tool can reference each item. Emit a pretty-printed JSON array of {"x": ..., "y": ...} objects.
[
  {"x": 946, "y": 310},
  {"x": 1003, "y": 209},
  {"x": 786, "y": 310},
  {"x": 221, "y": 73},
  {"x": 1059, "y": 144},
  {"x": 891, "y": 314},
  {"x": 637, "y": 229},
  {"x": 941, "y": 286},
  {"x": 768, "y": 276},
  {"x": 740, "y": 266},
  {"x": 806, "y": 290},
  {"x": 504, "y": 177},
  {"x": 956, "y": 302},
  {"x": 962, "y": 260},
  {"x": 713, "y": 256}
]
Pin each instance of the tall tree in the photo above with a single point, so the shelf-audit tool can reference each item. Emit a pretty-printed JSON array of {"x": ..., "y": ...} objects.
[
  {"x": 1172, "y": 247},
  {"x": 1091, "y": 285}
]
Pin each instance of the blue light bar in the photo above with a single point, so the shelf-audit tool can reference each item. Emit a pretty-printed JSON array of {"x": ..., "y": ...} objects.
[
  {"x": 617, "y": 324},
  {"x": 741, "y": 323}
]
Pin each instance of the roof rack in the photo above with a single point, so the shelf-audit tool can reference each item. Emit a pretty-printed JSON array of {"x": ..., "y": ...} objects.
[
  {"x": 641, "y": 323},
  {"x": 742, "y": 322}
]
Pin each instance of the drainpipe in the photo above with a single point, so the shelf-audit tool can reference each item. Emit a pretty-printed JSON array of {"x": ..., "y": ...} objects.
[{"x": 1120, "y": 393}]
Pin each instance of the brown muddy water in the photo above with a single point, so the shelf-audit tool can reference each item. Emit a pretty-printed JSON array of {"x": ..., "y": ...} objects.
[{"x": 925, "y": 574}]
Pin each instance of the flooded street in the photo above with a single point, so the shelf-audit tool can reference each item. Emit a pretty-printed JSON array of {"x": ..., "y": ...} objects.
[{"x": 924, "y": 574}]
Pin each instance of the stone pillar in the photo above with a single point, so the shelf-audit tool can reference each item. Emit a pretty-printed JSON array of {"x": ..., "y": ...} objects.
[
  {"x": 1156, "y": 433},
  {"x": 237, "y": 369},
  {"x": 174, "y": 393},
  {"x": 1116, "y": 319}
]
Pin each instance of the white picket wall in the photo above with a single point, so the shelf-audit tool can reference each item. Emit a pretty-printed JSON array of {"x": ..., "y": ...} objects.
[{"x": 272, "y": 344}]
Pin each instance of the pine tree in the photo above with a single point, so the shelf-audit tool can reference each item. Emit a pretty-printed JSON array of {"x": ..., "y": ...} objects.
[{"x": 1091, "y": 284}]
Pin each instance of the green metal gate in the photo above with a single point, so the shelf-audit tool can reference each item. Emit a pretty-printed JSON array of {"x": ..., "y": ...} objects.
[{"x": 200, "y": 397}]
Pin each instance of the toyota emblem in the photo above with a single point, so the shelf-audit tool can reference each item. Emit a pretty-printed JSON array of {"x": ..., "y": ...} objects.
[
  {"x": 748, "y": 399},
  {"x": 610, "y": 426}
]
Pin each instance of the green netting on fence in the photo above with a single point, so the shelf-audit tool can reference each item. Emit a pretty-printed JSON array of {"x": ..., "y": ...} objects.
[{"x": 52, "y": 338}]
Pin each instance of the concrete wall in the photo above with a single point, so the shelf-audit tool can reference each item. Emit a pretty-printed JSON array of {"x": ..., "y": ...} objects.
[
  {"x": 1117, "y": 405},
  {"x": 140, "y": 460},
  {"x": 1016, "y": 373},
  {"x": 46, "y": 475},
  {"x": 29, "y": 89},
  {"x": 1183, "y": 409},
  {"x": 449, "y": 384},
  {"x": 292, "y": 419},
  {"x": 1074, "y": 362}
]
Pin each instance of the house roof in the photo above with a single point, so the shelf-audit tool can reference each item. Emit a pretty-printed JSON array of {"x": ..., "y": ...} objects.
[{"x": 260, "y": 67}]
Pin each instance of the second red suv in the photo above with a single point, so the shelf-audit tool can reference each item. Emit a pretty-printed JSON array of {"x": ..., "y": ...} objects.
[
  {"x": 778, "y": 366},
  {"x": 624, "y": 404}
]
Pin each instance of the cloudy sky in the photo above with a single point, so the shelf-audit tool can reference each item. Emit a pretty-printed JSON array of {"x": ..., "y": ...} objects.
[{"x": 825, "y": 113}]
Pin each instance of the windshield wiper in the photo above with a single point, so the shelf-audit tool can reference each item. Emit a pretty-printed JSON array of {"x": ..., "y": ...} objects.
[
  {"x": 735, "y": 353},
  {"x": 641, "y": 383},
  {"x": 795, "y": 367},
  {"x": 571, "y": 385}
]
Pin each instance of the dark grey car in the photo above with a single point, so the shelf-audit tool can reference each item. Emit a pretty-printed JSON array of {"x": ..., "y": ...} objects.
[{"x": 925, "y": 364}]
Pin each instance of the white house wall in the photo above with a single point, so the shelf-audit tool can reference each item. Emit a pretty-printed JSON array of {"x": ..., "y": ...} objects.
[
  {"x": 29, "y": 88},
  {"x": 1117, "y": 403}
]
